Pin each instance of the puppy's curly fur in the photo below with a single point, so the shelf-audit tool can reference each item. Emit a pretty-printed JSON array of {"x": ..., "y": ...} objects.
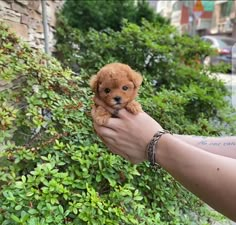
[{"x": 117, "y": 85}]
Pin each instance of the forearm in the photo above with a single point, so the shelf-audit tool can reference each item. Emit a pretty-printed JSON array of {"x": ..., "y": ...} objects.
[
  {"x": 225, "y": 146},
  {"x": 211, "y": 177}
]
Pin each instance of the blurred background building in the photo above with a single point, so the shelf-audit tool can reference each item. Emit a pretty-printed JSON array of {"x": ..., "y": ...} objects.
[{"x": 216, "y": 17}]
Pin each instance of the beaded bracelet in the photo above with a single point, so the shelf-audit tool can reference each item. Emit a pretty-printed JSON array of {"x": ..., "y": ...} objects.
[{"x": 151, "y": 148}]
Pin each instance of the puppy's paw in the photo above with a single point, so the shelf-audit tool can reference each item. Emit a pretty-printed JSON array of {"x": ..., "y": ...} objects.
[
  {"x": 100, "y": 115},
  {"x": 134, "y": 107},
  {"x": 102, "y": 120}
]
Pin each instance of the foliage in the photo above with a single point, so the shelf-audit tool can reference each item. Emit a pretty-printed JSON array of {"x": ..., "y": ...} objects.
[
  {"x": 54, "y": 170},
  {"x": 169, "y": 62},
  {"x": 103, "y": 14},
  {"x": 67, "y": 44}
]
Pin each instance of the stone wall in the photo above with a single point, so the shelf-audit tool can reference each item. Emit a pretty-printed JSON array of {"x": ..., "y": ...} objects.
[{"x": 25, "y": 18}]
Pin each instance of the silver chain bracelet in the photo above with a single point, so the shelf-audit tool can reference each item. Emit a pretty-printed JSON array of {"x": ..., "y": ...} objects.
[{"x": 151, "y": 148}]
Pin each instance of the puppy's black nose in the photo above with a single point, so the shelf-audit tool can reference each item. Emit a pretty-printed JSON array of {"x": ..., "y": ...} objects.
[{"x": 117, "y": 99}]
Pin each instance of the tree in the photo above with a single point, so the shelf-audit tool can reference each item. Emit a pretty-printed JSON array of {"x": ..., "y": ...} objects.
[
  {"x": 144, "y": 11},
  {"x": 102, "y": 14}
]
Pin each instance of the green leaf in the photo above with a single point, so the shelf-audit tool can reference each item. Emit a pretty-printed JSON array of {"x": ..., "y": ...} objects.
[
  {"x": 18, "y": 207},
  {"x": 28, "y": 194},
  {"x": 75, "y": 210},
  {"x": 138, "y": 198},
  {"x": 15, "y": 218}
]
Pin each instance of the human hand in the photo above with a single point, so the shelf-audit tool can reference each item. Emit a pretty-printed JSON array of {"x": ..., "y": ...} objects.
[{"x": 128, "y": 134}]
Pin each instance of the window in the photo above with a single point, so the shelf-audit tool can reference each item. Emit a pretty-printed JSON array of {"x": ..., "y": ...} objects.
[
  {"x": 208, "y": 41},
  {"x": 225, "y": 9}
]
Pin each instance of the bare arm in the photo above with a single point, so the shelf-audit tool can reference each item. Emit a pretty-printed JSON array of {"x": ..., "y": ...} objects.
[
  {"x": 225, "y": 146},
  {"x": 209, "y": 176}
]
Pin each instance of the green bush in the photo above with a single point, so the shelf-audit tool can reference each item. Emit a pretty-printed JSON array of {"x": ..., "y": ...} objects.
[{"x": 53, "y": 168}]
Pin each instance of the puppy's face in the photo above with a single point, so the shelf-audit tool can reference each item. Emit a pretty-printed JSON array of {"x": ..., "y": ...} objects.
[
  {"x": 116, "y": 92},
  {"x": 116, "y": 84}
]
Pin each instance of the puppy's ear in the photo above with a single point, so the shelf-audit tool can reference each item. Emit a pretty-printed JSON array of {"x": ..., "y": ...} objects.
[
  {"x": 136, "y": 78},
  {"x": 94, "y": 83}
]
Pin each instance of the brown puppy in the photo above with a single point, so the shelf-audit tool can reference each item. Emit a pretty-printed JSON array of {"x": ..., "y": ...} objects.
[{"x": 117, "y": 85}]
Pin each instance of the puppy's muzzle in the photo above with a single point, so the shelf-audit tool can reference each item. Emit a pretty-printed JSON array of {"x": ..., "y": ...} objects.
[{"x": 117, "y": 99}]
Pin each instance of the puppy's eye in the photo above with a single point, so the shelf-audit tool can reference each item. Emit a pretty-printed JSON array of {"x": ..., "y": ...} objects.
[
  {"x": 125, "y": 88},
  {"x": 107, "y": 90}
]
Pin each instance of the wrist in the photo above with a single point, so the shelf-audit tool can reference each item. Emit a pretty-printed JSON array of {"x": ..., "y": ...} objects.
[
  {"x": 154, "y": 145},
  {"x": 162, "y": 148}
]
